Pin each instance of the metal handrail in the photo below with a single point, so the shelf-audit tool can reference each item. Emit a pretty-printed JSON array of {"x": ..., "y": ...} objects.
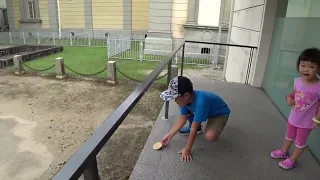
[
  {"x": 84, "y": 160},
  {"x": 221, "y": 44},
  {"x": 251, "y": 54}
]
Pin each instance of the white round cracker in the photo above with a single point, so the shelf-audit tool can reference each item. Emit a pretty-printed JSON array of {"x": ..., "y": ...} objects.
[{"x": 157, "y": 145}]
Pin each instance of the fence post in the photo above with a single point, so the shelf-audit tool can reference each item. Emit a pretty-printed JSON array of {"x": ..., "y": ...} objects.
[
  {"x": 10, "y": 37},
  {"x": 108, "y": 48},
  {"x": 60, "y": 69},
  {"x": 89, "y": 40},
  {"x": 182, "y": 58},
  {"x": 70, "y": 39},
  {"x": 54, "y": 39},
  {"x": 112, "y": 72},
  {"x": 91, "y": 172},
  {"x": 141, "y": 49},
  {"x": 172, "y": 72},
  {"x": 18, "y": 67},
  {"x": 38, "y": 37},
  {"x": 24, "y": 38}
]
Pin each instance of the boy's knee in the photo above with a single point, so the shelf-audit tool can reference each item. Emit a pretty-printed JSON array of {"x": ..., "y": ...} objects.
[{"x": 211, "y": 137}]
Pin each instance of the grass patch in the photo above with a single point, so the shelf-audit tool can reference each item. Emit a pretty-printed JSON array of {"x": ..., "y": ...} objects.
[{"x": 87, "y": 60}]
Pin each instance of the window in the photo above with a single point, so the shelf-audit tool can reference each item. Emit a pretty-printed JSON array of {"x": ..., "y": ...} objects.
[
  {"x": 205, "y": 50},
  {"x": 29, "y": 11},
  {"x": 31, "y": 8},
  {"x": 209, "y": 12}
]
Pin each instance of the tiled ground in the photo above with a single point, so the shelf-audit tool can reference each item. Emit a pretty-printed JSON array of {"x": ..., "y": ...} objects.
[{"x": 255, "y": 128}]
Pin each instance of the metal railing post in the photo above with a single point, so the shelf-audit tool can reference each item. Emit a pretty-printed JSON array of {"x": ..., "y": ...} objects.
[
  {"x": 249, "y": 66},
  {"x": 166, "y": 113},
  {"x": 91, "y": 172},
  {"x": 182, "y": 58}
]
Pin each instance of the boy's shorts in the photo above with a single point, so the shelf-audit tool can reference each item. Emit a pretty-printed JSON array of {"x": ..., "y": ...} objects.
[{"x": 217, "y": 123}]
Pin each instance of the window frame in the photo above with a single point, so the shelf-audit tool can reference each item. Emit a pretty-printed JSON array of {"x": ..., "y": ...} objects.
[{"x": 25, "y": 13}]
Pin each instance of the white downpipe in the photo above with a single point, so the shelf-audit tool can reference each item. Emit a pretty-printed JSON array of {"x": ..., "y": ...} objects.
[
  {"x": 228, "y": 39},
  {"x": 59, "y": 20}
]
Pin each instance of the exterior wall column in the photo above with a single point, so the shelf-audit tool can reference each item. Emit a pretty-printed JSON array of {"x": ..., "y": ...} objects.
[
  {"x": 193, "y": 11},
  {"x": 159, "y": 36},
  {"x": 253, "y": 25},
  {"x": 272, "y": 10}
]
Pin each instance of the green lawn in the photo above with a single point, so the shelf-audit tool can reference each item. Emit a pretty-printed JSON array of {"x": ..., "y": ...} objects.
[{"x": 91, "y": 60}]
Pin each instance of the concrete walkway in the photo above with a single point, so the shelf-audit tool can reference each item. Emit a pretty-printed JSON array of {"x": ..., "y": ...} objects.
[{"x": 255, "y": 128}]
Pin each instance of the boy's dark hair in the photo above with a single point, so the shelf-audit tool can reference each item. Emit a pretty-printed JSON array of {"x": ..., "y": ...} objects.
[
  {"x": 311, "y": 54},
  {"x": 184, "y": 85}
]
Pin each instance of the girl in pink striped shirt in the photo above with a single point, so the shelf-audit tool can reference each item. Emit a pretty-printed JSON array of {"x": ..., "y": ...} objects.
[{"x": 305, "y": 99}]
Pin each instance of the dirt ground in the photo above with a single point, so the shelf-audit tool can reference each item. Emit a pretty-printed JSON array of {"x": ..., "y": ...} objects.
[
  {"x": 44, "y": 121},
  {"x": 199, "y": 73}
]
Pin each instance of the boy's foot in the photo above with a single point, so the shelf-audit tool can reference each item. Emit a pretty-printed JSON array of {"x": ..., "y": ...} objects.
[
  {"x": 287, "y": 164},
  {"x": 278, "y": 154},
  {"x": 186, "y": 131}
]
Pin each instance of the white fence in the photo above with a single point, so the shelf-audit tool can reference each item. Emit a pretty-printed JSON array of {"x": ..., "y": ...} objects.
[
  {"x": 198, "y": 54},
  {"x": 65, "y": 38},
  {"x": 122, "y": 46}
]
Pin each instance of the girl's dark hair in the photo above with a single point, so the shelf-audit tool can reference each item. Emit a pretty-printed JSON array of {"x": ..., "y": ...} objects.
[{"x": 311, "y": 54}]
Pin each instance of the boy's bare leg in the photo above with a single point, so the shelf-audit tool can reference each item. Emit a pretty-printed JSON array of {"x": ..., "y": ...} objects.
[
  {"x": 211, "y": 135},
  {"x": 214, "y": 127}
]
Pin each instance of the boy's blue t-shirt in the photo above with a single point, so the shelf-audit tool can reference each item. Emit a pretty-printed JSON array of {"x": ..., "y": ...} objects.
[{"x": 204, "y": 105}]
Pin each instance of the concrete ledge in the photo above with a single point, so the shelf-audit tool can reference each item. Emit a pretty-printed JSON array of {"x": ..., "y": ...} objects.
[{"x": 255, "y": 128}]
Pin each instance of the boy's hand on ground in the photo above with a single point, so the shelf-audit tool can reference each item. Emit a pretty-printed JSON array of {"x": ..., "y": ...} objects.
[
  {"x": 185, "y": 155},
  {"x": 166, "y": 139},
  {"x": 317, "y": 125}
]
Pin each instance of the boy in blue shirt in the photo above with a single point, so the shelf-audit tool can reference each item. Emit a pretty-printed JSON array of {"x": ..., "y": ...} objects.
[{"x": 195, "y": 107}]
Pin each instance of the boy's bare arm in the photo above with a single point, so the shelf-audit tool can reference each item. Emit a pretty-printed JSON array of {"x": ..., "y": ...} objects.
[
  {"x": 192, "y": 136},
  {"x": 180, "y": 123}
]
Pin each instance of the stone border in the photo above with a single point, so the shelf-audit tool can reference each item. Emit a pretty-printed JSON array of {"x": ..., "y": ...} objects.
[{"x": 37, "y": 51}]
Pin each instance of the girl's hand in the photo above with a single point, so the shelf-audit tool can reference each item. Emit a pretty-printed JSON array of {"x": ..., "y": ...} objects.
[
  {"x": 316, "y": 122},
  {"x": 290, "y": 100}
]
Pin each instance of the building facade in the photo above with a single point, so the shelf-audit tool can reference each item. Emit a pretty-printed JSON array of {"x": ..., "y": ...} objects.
[
  {"x": 78, "y": 16},
  {"x": 281, "y": 29},
  {"x": 4, "y": 24},
  {"x": 158, "y": 18},
  {"x": 200, "y": 20}
]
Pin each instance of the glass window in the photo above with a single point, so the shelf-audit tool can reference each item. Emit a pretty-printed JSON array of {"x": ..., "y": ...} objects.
[{"x": 31, "y": 7}]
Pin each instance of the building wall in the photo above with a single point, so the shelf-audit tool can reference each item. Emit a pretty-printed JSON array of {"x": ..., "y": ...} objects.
[
  {"x": 245, "y": 30},
  {"x": 179, "y": 17},
  {"x": 52, "y": 15},
  {"x": 225, "y": 12},
  {"x": 107, "y": 14},
  {"x": 284, "y": 51},
  {"x": 16, "y": 13},
  {"x": 303, "y": 8},
  {"x": 3, "y": 4},
  {"x": 72, "y": 14},
  {"x": 140, "y": 14},
  {"x": 44, "y": 13}
]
